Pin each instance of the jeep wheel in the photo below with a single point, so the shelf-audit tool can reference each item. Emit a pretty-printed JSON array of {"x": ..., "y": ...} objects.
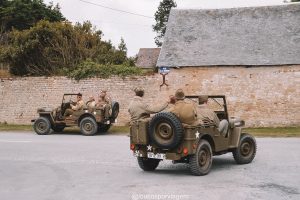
[
  {"x": 148, "y": 164},
  {"x": 201, "y": 161},
  {"x": 165, "y": 130},
  {"x": 103, "y": 128},
  {"x": 114, "y": 111},
  {"x": 42, "y": 126},
  {"x": 58, "y": 129},
  {"x": 246, "y": 150},
  {"x": 88, "y": 126}
]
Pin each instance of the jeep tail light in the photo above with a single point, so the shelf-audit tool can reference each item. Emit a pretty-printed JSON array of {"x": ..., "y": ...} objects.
[
  {"x": 179, "y": 150},
  {"x": 185, "y": 151},
  {"x": 132, "y": 146}
]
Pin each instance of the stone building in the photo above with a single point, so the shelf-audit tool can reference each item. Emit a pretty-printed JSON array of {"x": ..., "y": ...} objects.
[{"x": 251, "y": 55}]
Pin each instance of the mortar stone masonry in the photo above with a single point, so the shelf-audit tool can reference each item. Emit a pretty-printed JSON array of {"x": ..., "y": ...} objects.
[{"x": 265, "y": 96}]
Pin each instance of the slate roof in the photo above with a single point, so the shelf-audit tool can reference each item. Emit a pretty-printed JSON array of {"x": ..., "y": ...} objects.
[
  {"x": 147, "y": 57},
  {"x": 268, "y": 35}
]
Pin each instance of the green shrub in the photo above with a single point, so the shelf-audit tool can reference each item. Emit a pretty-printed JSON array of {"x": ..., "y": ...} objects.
[
  {"x": 89, "y": 69},
  {"x": 47, "y": 48}
]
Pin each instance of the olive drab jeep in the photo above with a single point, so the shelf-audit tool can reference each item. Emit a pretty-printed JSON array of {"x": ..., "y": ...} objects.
[
  {"x": 90, "y": 121},
  {"x": 165, "y": 137}
]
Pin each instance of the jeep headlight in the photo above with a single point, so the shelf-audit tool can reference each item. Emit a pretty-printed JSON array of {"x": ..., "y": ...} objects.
[
  {"x": 239, "y": 123},
  {"x": 236, "y": 123}
]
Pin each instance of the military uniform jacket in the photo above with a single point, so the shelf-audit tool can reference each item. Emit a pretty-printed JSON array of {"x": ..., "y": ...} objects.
[
  {"x": 138, "y": 109},
  {"x": 103, "y": 101},
  {"x": 206, "y": 115},
  {"x": 91, "y": 104},
  {"x": 185, "y": 111},
  {"x": 79, "y": 105}
]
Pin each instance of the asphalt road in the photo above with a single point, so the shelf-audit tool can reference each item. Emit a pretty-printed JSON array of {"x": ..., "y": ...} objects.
[{"x": 71, "y": 166}]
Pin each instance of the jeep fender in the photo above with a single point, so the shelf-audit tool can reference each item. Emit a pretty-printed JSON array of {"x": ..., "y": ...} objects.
[
  {"x": 234, "y": 137},
  {"x": 47, "y": 115},
  {"x": 85, "y": 115},
  {"x": 209, "y": 139}
]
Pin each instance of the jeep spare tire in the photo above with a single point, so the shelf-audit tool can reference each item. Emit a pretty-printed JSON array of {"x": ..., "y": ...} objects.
[
  {"x": 165, "y": 130},
  {"x": 114, "y": 110}
]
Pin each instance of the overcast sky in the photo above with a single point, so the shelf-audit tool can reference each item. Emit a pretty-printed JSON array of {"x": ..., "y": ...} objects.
[{"x": 136, "y": 30}]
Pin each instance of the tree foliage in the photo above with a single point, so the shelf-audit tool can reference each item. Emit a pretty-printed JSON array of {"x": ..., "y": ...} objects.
[
  {"x": 35, "y": 39},
  {"x": 89, "y": 69},
  {"x": 161, "y": 18},
  {"x": 23, "y": 14},
  {"x": 50, "y": 48}
]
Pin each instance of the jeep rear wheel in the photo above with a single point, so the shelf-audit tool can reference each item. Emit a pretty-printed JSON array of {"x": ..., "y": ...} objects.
[
  {"x": 42, "y": 126},
  {"x": 58, "y": 128},
  {"x": 148, "y": 164},
  {"x": 201, "y": 161},
  {"x": 88, "y": 126},
  {"x": 165, "y": 130},
  {"x": 103, "y": 128},
  {"x": 246, "y": 150}
]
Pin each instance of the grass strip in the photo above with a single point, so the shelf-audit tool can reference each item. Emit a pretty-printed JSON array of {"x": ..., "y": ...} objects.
[{"x": 257, "y": 132}]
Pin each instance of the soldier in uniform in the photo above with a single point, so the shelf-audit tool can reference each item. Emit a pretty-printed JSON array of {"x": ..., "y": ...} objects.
[
  {"x": 104, "y": 103},
  {"x": 208, "y": 116},
  {"x": 138, "y": 109},
  {"x": 76, "y": 107},
  {"x": 184, "y": 110},
  {"x": 91, "y": 103},
  {"x": 171, "y": 103}
]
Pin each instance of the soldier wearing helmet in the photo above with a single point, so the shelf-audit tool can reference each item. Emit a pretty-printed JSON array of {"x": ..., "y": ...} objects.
[
  {"x": 76, "y": 107},
  {"x": 138, "y": 109},
  {"x": 208, "y": 116},
  {"x": 104, "y": 103},
  {"x": 184, "y": 110}
]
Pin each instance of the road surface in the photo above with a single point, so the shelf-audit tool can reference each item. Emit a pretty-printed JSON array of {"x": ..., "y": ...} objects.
[{"x": 72, "y": 166}]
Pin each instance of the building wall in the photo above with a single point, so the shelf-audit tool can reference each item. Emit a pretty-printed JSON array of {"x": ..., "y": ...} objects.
[{"x": 263, "y": 96}]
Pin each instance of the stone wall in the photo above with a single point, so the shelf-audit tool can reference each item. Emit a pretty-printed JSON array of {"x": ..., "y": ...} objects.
[{"x": 263, "y": 96}]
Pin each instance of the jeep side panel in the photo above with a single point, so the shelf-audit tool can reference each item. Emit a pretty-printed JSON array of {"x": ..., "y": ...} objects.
[{"x": 138, "y": 133}]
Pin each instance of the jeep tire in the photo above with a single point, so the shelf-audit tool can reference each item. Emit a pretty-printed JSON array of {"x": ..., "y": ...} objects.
[
  {"x": 201, "y": 161},
  {"x": 148, "y": 164},
  {"x": 42, "y": 126},
  {"x": 114, "y": 111},
  {"x": 246, "y": 150},
  {"x": 103, "y": 128},
  {"x": 88, "y": 126},
  {"x": 58, "y": 129},
  {"x": 165, "y": 130}
]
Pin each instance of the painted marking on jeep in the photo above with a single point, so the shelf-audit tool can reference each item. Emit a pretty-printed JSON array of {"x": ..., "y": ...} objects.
[
  {"x": 160, "y": 156},
  {"x": 137, "y": 154},
  {"x": 149, "y": 148},
  {"x": 197, "y": 134}
]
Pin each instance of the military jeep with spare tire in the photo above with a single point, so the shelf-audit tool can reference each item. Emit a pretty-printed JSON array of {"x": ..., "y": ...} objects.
[
  {"x": 165, "y": 137},
  {"x": 90, "y": 121}
]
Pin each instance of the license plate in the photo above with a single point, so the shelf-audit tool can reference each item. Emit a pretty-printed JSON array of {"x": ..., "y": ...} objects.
[{"x": 160, "y": 156}]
